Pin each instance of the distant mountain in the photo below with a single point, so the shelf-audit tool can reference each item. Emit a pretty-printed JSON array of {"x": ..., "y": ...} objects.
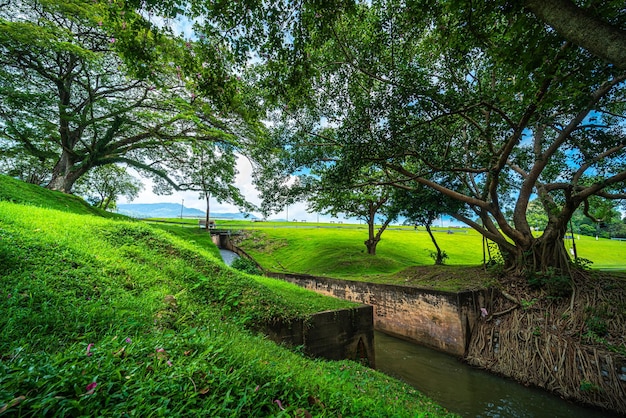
[{"x": 171, "y": 210}]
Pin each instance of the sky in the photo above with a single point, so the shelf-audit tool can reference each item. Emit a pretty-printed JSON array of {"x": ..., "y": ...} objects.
[{"x": 243, "y": 181}]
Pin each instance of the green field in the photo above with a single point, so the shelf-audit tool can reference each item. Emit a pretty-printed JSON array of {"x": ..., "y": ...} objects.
[{"x": 338, "y": 250}]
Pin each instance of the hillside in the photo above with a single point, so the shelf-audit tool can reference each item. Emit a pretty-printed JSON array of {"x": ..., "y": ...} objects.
[{"x": 115, "y": 318}]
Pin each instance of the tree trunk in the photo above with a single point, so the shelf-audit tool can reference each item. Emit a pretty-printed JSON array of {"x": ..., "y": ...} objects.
[
  {"x": 63, "y": 175},
  {"x": 578, "y": 25},
  {"x": 439, "y": 259},
  {"x": 371, "y": 245},
  {"x": 206, "y": 226},
  {"x": 546, "y": 254}
]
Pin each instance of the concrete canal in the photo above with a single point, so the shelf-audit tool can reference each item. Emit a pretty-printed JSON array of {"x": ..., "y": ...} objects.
[{"x": 465, "y": 390}]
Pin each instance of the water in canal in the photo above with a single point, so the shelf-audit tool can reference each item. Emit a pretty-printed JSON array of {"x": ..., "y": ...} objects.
[
  {"x": 465, "y": 390},
  {"x": 228, "y": 256}
]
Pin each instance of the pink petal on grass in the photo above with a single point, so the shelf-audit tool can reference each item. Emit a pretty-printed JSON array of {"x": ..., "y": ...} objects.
[
  {"x": 280, "y": 404},
  {"x": 89, "y": 349},
  {"x": 91, "y": 387}
]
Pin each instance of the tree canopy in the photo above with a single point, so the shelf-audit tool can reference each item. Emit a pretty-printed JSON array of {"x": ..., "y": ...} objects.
[
  {"x": 483, "y": 103},
  {"x": 481, "y": 98},
  {"x": 86, "y": 84}
]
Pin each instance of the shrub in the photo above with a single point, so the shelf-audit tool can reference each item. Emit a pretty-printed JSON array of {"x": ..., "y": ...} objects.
[{"x": 246, "y": 265}]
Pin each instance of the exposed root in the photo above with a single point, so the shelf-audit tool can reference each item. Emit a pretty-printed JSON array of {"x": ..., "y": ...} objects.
[{"x": 574, "y": 347}]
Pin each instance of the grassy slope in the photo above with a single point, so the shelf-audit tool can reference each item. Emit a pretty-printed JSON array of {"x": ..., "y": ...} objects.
[{"x": 123, "y": 319}]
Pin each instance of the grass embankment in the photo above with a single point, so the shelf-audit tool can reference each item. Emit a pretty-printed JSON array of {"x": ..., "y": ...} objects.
[
  {"x": 116, "y": 318},
  {"x": 338, "y": 251}
]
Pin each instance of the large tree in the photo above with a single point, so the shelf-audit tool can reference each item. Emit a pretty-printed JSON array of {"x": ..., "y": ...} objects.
[
  {"x": 95, "y": 83},
  {"x": 481, "y": 92},
  {"x": 506, "y": 109}
]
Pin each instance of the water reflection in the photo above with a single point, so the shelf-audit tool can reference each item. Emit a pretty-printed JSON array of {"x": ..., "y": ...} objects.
[{"x": 465, "y": 390}]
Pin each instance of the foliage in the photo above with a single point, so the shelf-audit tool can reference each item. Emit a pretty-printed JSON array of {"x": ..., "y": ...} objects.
[
  {"x": 106, "y": 317},
  {"x": 86, "y": 84},
  {"x": 439, "y": 257},
  {"x": 246, "y": 265},
  {"x": 104, "y": 184},
  {"x": 473, "y": 94}
]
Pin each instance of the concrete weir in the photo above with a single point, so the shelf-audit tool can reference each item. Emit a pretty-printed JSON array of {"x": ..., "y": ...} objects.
[{"x": 440, "y": 320}]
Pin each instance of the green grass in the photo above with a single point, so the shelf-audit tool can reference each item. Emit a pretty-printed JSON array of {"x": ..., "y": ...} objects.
[
  {"x": 118, "y": 318},
  {"x": 338, "y": 251},
  {"x": 15, "y": 191}
]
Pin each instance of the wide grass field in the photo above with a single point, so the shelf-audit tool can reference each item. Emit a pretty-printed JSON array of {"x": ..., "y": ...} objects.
[
  {"x": 114, "y": 317},
  {"x": 339, "y": 251}
]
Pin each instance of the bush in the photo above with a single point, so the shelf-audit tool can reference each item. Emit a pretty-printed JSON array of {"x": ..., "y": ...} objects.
[{"x": 246, "y": 265}]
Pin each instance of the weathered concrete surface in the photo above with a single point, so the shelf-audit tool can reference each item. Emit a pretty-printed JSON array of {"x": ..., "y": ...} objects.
[
  {"x": 436, "y": 319},
  {"x": 334, "y": 335}
]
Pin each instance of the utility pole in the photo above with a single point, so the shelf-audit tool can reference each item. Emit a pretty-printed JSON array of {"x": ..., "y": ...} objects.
[{"x": 182, "y": 205}]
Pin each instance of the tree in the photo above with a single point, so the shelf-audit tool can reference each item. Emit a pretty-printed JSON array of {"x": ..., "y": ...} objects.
[
  {"x": 421, "y": 206},
  {"x": 336, "y": 194},
  {"x": 209, "y": 168},
  {"x": 507, "y": 109},
  {"x": 104, "y": 184},
  {"x": 483, "y": 94},
  {"x": 26, "y": 167},
  {"x": 96, "y": 84}
]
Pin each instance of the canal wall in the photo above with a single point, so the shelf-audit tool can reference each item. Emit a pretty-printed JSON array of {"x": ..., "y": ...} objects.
[
  {"x": 344, "y": 334},
  {"x": 440, "y": 320},
  {"x": 333, "y": 335}
]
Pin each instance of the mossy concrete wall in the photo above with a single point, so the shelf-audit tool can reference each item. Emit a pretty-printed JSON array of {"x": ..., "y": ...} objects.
[
  {"x": 440, "y": 320},
  {"x": 333, "y": 335}
]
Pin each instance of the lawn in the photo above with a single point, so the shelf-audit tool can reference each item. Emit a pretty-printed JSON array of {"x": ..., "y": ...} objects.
[{"x": 338, "y": 250}]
